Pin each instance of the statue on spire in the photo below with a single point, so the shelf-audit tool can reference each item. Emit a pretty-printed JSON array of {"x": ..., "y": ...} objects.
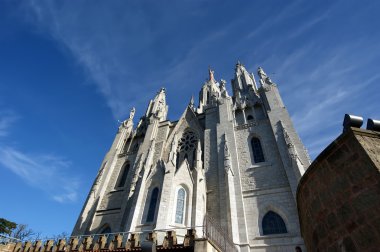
[
  {"x": 128, "y": 122},
  {"x": 132, "y": 113},
  {"x": 261, "y": 73},
  {"x": 191, "y": 103},
  {"x": 264, "y": 77},
  {"x": 211, "y": 74},
  {"x": 223, "y": 90}
]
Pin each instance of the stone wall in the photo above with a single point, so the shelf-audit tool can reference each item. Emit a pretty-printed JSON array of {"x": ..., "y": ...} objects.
[{"x": 339, "y": 195}]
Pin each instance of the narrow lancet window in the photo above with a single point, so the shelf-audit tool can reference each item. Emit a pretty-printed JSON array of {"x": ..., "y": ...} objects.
[
  {"x": 258, "y": 155},
  {"x": 180, "y": 208},
  {"x": 123, "y": 175},
  {"x": 273, "y": 224},
  {"x": 152, "y": 205}
]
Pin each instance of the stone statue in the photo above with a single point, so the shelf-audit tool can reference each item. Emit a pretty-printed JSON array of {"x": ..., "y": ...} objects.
[
  {"x": 191, "y": 103},
  {"x": 223, "y": 90},
  {"x": 261, "y": 73},
  {"x": 264, "y": 77},
  {"x": 211, "y": 74},
  {"x": 222, "y": 85},
  {"x": 132, "y": 113}
]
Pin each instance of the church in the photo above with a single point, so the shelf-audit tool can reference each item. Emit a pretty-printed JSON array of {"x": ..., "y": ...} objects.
[{"x": 233, "y": 159}]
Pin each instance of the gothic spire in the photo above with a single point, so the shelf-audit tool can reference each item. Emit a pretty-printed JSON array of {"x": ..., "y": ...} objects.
[
  {"x": 243, "y": 81},
  {"x": 158, "y": 107}
]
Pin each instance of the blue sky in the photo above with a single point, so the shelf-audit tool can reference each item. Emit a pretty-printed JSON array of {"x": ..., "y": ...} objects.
[{"x": 69, "y": 70}]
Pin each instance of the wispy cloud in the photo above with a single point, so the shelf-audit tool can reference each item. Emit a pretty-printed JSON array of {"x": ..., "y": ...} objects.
[
  {"x": 7, "y": 118},
  {"x": 100, "y": 45},
  {"x": 314, "y": 20},
  {"x": 268, "y": 23},
  {"x": 112, "y": 49},
  {"x": 47, "y": 172},
  {"x": 327, "y": 87}
]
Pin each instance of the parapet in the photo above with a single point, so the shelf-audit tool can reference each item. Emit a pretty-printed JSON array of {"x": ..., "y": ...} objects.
[{"x": 119, "y": 242}]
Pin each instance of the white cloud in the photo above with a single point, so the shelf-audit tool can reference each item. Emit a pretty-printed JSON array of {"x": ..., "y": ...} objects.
[
  {"x": 7, "y": 118},
  {"x": 49, "y": 173},
  {"x": 268, "y": 23}
]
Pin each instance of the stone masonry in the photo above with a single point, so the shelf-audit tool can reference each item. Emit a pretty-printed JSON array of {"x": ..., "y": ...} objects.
[
  {"x": 234, "y": 158},
  {"x": 339, "y": 195}
]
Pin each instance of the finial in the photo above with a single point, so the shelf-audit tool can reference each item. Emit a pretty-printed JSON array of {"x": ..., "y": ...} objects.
[
  {"x": 211, "y": 74},
  {"x": 132, "y": 113},
  {"x": 191, "y": 103},
  {"x": 238, "y": 63}
]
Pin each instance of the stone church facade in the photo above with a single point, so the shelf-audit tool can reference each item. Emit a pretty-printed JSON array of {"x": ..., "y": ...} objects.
[{"x": 234, "y": 158}]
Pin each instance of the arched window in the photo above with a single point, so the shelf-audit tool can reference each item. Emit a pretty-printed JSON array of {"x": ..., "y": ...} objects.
[
  {"x": 123, "y": 175},
  {"x": 152, "y": 205},
  {"x": 249, "y": 117},
  {"x": 258, "y": 155},
  {"x": 106, "y": 230},
  {"x": 273, "y": 224},
  {"x": 180, "y": 208}
]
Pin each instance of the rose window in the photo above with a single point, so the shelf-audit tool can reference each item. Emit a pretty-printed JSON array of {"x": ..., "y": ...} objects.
[{"x": 187, "y": 142}]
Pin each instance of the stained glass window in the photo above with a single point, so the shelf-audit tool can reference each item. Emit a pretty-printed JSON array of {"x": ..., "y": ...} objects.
[
  {"x": 123, "y": 175},
  {"x": 152, "y": 205},
  {"x": 180, "y": 209},
  {"x": 187, "y": 142},
  {"x": 187, "y": 146},
  {"x": 258, "y": 155},
  {"x": 273, "y": 224}
]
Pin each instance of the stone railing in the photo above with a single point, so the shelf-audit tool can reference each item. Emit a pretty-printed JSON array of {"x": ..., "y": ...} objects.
[
  {"x": 105, "y": 242},
  {"x": 162, "y": 240}
]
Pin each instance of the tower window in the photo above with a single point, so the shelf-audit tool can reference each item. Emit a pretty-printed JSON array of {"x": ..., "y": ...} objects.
[
  {"x": 249, "y": 117},
  {"x": 135, "y": 147},
  {"x": 258, "y": 155},
  {"x": 273, "y": 224},
  {"x": 123, "y": 175},
  {"x": 106, "y": 230},
  {"x": 259, "y": 112},
  {"x": 152, "y": 205},
  {"x": 180, "y": 208}
]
